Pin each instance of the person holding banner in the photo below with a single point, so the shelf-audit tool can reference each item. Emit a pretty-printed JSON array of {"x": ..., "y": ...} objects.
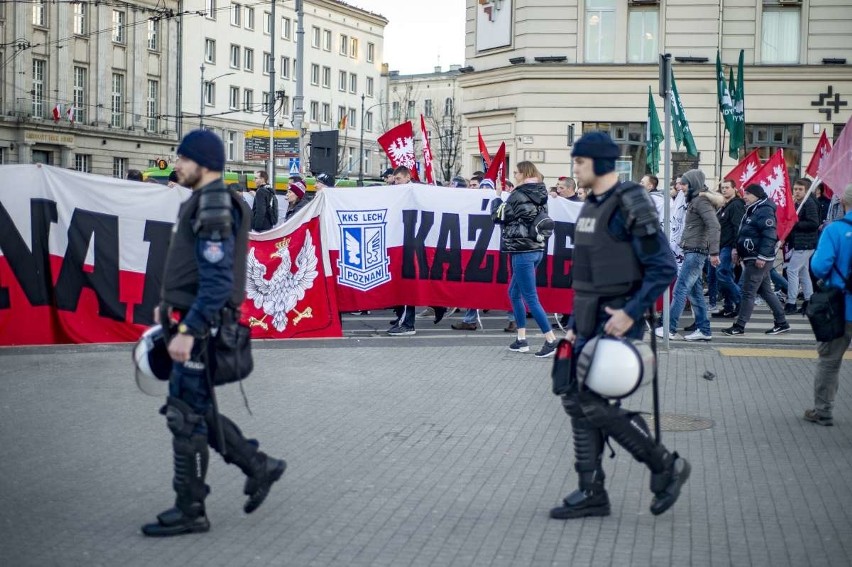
[{"x": 203, "y": 285}]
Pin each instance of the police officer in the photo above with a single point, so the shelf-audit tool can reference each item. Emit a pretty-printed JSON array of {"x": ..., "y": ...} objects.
[
  {"x": 622, "y": 263},
  {"x": 204, "y": 279}
]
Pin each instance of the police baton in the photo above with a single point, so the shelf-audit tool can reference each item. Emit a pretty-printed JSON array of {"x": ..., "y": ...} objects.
[
  {"x": 655, "y": 386},
  {"x": 220, "y": 433}
]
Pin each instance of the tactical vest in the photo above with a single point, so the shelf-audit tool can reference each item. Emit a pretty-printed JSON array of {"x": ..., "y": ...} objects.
[
  {"x": 603, "y": 266},
  {"x": 180, "y": 274}
]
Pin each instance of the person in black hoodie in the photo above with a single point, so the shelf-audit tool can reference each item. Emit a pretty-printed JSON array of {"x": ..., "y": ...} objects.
[
  {"x": 756, "y": 249},
  {"x": 803, "y": 240},
  {"x": 264, "y": 211},
  {"x": 518, "y": 239},
  {"x": 730, "y": 216}
]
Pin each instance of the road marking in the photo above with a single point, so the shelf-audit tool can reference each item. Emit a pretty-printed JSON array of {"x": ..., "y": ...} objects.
[{"x": 775, "y": 353}]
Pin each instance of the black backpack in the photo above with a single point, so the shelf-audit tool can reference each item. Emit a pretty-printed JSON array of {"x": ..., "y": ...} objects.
[
  {"x": 542, "y": 225},
  {"x": 826, "y": 309}
]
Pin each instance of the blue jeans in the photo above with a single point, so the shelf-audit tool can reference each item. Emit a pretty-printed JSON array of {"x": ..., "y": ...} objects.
[
  {"x": 712, "y": 283},
  {"x": 731, "y": 293},
  {"x": 689, "y": 285},
  {"x": 522, "y": 290},
  {"x": 779, "y": 282},
  {"x": 470, "y": 316}
]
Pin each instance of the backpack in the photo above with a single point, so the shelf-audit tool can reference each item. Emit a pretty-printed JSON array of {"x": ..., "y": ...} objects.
[
  {"x": 826, "y": 310},
  {"x": 272, "y": 210},
  {"x": 542, "y": 225}
]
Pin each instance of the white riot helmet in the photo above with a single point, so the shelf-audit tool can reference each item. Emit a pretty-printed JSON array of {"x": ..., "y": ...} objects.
[
  {"x": 152, "y": 362},
  {"x": 615, "y": 367}
]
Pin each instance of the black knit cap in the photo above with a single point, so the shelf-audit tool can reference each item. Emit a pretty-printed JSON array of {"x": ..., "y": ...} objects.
[
  {"x": 204, "y": 148},
  {"x": 756, "y": 190},
  {"x": 325, "y": 179},
  {"x": 600, "y": 147}
]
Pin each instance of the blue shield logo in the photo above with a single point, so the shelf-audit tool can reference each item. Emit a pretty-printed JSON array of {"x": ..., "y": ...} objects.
[{"x": 363, "y": 249}]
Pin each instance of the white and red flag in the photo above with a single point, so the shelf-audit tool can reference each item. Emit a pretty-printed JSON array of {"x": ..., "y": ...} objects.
[
  {"x": 744, "y": 170},
  {"x": 70, "y": 114},
  {"x": 398, "y": 143},
  {"x": 820, "y": 153},
  {"x": 836, "y": 169},
  {"x": 57, "y": 112},
  {"x": 773, "y": 177},
  {"x": 496, "y": 166},
  {"x": 427, "y": 153}
]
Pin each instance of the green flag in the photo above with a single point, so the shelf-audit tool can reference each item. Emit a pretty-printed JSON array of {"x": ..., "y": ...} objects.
[
  {"x": 682, "y": 133},
  {"x": 726, "y": 105},
  {"x": 737, "y": 140},
  {"x": 653, "y": 137}
]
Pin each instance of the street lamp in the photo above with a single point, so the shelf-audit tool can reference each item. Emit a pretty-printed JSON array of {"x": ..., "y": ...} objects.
[
  {"x": 361, "y": 157},
  {"x": 211, "y": 81}
]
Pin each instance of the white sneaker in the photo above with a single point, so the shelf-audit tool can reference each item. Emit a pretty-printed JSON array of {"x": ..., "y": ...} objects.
[
  {"x": 673, "y": 336},
  {"x": 697, "y": 335},
  {"x": 427, "y": 313}
]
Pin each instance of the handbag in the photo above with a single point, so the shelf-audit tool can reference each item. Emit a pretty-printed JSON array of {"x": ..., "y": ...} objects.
[
  {"x": 826, "y": 313},
  {"x": 232, "y": 353}
]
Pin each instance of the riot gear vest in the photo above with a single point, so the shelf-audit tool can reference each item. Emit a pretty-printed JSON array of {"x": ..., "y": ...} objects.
[{"x": 180, "y": 274}]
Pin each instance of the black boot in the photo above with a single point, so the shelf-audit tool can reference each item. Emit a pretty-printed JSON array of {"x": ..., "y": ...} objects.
[
  {"x": 666, "y": 485},
  {"x": 260, "y": 469},
  {"x": 590, "y": 499}
]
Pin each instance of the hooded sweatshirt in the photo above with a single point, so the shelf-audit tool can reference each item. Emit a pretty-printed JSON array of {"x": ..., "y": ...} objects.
[{"x": 516, "y": 216}]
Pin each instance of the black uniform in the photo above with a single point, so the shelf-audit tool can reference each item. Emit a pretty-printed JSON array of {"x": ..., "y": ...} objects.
[
  {"x": 621, "y": 261},
  {"x": 204, "y": 281}
]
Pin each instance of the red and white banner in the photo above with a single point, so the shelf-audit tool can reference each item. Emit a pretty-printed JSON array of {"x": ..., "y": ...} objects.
[
  {"x": 398, "y": 143},
  {"x": 821, "y": 151},
  {"x": 836, "y": 169},
  {"x": 744, "y": 170},
  {"x": 427, "y": 153},
  {"x": 775, "y": 180}
]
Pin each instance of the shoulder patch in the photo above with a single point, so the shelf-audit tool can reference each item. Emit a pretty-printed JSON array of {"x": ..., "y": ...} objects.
[
  {"x": 213, "y": 251},
  {"x": 770, "y": 222}
]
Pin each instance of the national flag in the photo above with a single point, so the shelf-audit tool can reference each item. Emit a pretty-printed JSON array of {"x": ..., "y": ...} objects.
[
  {"x": 483, "y": 151},
  {"x": 723, "y": 94},
  {"x": 70, "y": 114},
  {"x": 398, "y": 143},
  {"x": 682, "y": 133},
  {"x": 341, "y": 124},
  {"x": 427, "y": 152},
  {"x": 737, "y": 138},
  {"x": 496, "y": 164},
  {"x": 57, "y": 112},
  {"x": 836, "y": 169},
  {"x": 822, "y": 149},
  {"x": 773, "y": 177},
  {"x": 653, "y": 136},
  {"x": 745, "y": 170}
]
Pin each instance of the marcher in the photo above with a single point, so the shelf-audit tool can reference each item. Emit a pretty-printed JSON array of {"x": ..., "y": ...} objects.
[
  {"x": 295, "y": 197},
  {"x": 622, "y": 263},
  {"x": 515, "y": 215},
  {"x": 403, "y": 325},
  {"x": 204, "y": 282},
  {"x": 323, "y": 180},
  {"x": 832, "y": 262},
  {"x": 264, "y": 210},
  {"x": 803, "y": 240},
  {"x": 730, "y": 216}
]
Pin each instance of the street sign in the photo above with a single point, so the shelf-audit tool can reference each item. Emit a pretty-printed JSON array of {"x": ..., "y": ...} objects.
[
  {"x": 294, "y": 165},
  {"x": 257, "y": 144}
]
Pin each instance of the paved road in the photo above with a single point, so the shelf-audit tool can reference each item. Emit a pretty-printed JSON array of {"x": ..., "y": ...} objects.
[{"x": 408, "y": 452}]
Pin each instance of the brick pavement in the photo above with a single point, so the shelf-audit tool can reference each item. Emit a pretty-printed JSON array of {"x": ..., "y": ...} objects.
[{"x": 409, "y": 452}]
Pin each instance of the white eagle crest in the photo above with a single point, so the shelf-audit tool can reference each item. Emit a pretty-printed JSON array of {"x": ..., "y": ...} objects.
[
  {"x": 748, "y": 172},
  {"x": 279, "y": 295},
  {"x": 775, "y": 187},
  {"x": 402, "y": 150}
]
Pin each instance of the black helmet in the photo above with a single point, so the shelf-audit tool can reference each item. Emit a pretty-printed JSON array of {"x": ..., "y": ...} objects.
[{"x": 152, "y": 361}]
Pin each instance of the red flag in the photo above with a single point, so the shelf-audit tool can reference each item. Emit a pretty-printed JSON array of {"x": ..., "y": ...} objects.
[
  {"x": 744, "y": 170},
  {"x": 822, "y": 149},
  {"x": 496, "y": 164},
  {"x": 57, "y": 112},
  {"x": 483, "y": 150},
  {"x": 773, "y": 177},
  {"x": 427, "y": 153},
  {"x": 398, "y": 143},
  {"x": 70, "y": 114},
  {"x": 836, "y": 169}
]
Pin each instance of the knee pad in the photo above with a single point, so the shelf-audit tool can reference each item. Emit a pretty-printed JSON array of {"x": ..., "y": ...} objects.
[{"x": 181, "y": 418}]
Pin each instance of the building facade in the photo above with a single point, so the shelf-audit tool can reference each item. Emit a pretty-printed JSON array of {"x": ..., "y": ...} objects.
[
  {"x": 537, "y": 72},
  {"x": 88, "y": 85}
]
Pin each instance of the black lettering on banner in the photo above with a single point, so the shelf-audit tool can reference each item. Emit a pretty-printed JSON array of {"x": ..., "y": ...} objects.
[
  {"x": 476, "y": 270},
  {"x": 563, "y": 235},
  {"x": 31, "y": 268},
  {"x": 158, "y": 233},
  {"x": 503, "y": 268},
  {"x": 103, "y": 280},
  {"x": 448, "y": 232},
  {"x": 414, "y": 245}
]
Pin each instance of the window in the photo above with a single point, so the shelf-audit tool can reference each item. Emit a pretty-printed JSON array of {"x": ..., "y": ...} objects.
[
  {"x": 369, "y": 86},
  {"x": 344, "y": 44},
  {"x": 264, "y": 103},
  {"x": 314, "y": 111},
  {"x": 231, "y": 145},
  {"x": 210, "y": 50},
  {"x": 341, "y": 81},
  {"x": 600, "y": 31},
  {"x": 353, "y": 117},
  {"x": 350, "y": 159},
  {"x": 368, "y": 122},
  {"x": 371, "y": 52},
  {"x": 314, "y": 74},
  {"x": 315, "y": 37},
  {"x": 152, "y": 106},
  {"x": 236, "y": 15},
  {"x": 326, "y": 77},
  {"x": 285, "y": 106},
  {"x": 234, "y": 98},
  {"x": 285, "y": 28},
  {"x": 642, "y": 32},
  {"x": 119, "y": 167},
  {"x": 39, "y": 75},
  {"x": 448, "y": 107},
  {"x": 267, "y": 63},
  {"x": 395, "y": 110},
  {"x": 117, "y": 119},
  {"x": 409, "y": 111},
  {"x": 83, "y": 162},
  {"x": 780, "y": 35},
  {"x": 235, "y": 56},
  {"x": 427, "y": 108},
  {"x": 267, "y": 23},
  {"x": 285, "y": 67},
  {"x": 353, "y": 83},
  {"x": 630, "y": 139},
  {"x": 326, "y": 40},
  {"x": 80, "y": 18},
  {"x": 39, "y": 14},
  {"x": 249, "y": 18},
  {"x": 249, "y": 59},
  {"x": 248, "y": 100},
  {"x": 118, "y": 26},
  {"x": 769, "y": 138},
  {"x": 341, "y": 116},
  {"x": 81, "y": 83},
  {"x": 353, "y": 48},
  {"x": 366, "y": 159},
  {"x": 326, "y": 113},
  {"x": 154, "y": 35},
  {"x": 210, "y": 9},
  {"x": 209, "y": 93}
]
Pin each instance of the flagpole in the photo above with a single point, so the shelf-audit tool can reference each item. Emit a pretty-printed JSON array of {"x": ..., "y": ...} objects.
[{"x": 665, "y": 92}]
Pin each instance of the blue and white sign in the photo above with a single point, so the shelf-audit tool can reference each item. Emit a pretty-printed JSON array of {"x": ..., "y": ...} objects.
[
  {"x": 294, "y": 165},
  {"x": 363, "y": 256}
]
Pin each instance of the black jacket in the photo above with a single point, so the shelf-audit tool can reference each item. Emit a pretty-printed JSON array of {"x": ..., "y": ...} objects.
[
  {"x": 730, "y": 216},
  {"x": 804, "y": 234},
  {"x": 516, "y": 215},
  {"x": 758, "y": 232},
  {"x": 263, "y": 209}
]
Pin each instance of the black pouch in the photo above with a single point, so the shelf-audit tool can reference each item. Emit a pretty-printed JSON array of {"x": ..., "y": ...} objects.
[
  {"x": 827, "y": 313},
  {"x": 232, "y": 353},
  {"x": 563, "y": 370}
]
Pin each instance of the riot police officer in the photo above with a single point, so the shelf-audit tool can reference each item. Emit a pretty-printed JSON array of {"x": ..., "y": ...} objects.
[
  {"x": 204, "y": 281},
  {"x": 622, "y": 263}
]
